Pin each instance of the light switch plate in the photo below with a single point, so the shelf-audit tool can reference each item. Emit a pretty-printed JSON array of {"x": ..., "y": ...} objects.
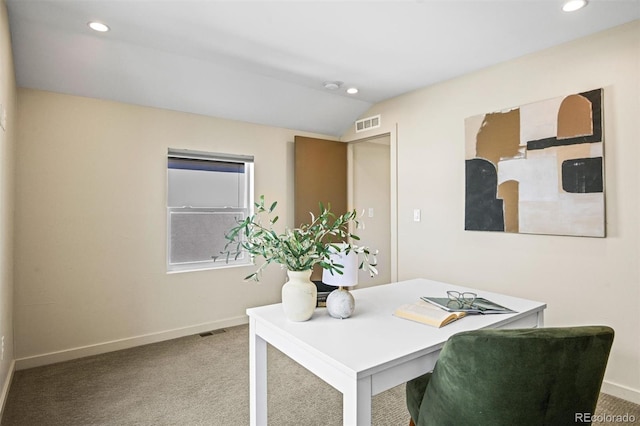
[{"x": 416, "y": 215}]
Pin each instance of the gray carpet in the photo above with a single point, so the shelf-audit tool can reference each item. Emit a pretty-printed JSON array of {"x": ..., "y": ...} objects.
[{"x": 193, "y": 381}]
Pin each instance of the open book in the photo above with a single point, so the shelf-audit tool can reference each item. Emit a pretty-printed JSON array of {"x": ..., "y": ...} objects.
[
  {"x": 479, "y": 306},
  {"x": 427, "y": 313}
]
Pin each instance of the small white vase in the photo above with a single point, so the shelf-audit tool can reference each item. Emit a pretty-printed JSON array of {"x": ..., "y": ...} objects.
[
  {"x": 299, "y": 296},
  {"x": 340, "y": 303}
]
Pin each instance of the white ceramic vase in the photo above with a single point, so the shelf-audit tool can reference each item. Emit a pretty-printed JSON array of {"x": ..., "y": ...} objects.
[
  {"x": 340, "y": 303},
  {"x": 299, "y": 296}
]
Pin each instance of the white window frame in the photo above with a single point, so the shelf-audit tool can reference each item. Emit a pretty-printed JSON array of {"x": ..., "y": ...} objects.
[{"x": 240, "y": 211}]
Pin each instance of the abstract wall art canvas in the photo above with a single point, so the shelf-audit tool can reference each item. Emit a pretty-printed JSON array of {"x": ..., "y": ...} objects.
[{"x": 538, "y": 168}]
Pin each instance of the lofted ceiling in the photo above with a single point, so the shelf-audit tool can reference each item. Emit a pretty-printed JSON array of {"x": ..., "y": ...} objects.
[{"x": 266, "y": 61}]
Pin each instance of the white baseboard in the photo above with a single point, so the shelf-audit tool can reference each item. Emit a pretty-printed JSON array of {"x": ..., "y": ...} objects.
[
  {"x": 115, "y": 345},
  {"x": 6, "y": 386},
  {"x": 621, "y": 391}
]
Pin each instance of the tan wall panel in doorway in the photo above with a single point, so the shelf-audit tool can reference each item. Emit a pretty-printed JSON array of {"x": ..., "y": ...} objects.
[{"x": 320, "y": 176}]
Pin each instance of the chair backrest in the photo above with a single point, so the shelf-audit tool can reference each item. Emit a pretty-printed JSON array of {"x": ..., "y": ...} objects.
[{"x": 545, "y": 376}]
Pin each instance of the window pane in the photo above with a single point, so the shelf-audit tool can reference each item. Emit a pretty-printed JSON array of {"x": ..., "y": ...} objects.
[
  {"x": 197, "y": 188},
  {"x": 197, "y": 235}
]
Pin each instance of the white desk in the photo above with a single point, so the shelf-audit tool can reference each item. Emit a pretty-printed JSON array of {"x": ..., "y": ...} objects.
[{"x": 373, "y": 350}]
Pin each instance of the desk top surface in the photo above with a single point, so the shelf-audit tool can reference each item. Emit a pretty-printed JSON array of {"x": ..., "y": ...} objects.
[{"x": 373, "y": 336}]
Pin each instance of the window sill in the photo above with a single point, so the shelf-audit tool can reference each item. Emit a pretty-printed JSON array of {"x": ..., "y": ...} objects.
[{"x": 184, "y": 269}]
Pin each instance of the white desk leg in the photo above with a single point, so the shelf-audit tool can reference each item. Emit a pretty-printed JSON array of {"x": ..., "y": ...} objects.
[
  {"x": 356, "y": 404},
  {"x": 257, "y": 377}
]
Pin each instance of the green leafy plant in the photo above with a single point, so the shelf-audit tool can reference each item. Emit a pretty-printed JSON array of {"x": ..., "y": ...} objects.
[{"x": 298, "y": 249}]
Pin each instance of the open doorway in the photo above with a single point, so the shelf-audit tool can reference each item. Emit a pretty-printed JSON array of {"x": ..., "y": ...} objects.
[
  {"x": 370, "y": 191},
  {"x": 368, "y": 184}
]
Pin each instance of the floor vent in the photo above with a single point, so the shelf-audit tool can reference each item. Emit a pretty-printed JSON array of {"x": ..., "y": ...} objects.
[
  {"x": 368, "y": 123},
  {"x": 212, "y": 332}
]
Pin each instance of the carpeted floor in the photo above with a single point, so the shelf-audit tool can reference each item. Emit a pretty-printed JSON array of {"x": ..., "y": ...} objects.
[{"x": 193, "y": 381}]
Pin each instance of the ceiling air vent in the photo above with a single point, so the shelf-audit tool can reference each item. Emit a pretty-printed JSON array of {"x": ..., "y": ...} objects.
[{"x": 368, "y": 123}]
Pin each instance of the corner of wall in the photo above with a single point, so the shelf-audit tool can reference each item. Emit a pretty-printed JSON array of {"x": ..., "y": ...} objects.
[
  {"x": 8, "y": 101},
  {"x": 6, "y": 385}
]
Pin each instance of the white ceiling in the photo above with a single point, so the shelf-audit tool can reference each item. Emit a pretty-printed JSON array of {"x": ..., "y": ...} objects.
[{"x": 265, "y": 61}]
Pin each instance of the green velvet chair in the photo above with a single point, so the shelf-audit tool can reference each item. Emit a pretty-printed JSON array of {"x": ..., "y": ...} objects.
[{"x": 543, "y": 376}]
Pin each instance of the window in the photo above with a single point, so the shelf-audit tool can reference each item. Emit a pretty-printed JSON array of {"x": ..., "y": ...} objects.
[{"x": 207, "y": 193}]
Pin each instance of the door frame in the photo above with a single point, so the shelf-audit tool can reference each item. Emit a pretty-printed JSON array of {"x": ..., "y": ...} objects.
[{"x": 393, "y": 180}]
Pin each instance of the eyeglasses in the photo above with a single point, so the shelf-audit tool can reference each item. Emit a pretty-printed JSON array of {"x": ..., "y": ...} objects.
[{"x": 464, "y": 298}]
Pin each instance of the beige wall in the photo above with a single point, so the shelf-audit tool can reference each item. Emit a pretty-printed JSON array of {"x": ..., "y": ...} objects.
[
  {"x": 91, "y": 226},
  {"x": 7, "y": 144},
  {"x": 583, "y": 280}
]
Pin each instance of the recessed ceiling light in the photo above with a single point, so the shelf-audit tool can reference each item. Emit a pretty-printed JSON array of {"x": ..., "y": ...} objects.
[
  {"x": 332, "y": 85},
  {"x": 573, "y": 5},
  {"x": 98, "y": 26},
  {"x": 352, "y": 90}
]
